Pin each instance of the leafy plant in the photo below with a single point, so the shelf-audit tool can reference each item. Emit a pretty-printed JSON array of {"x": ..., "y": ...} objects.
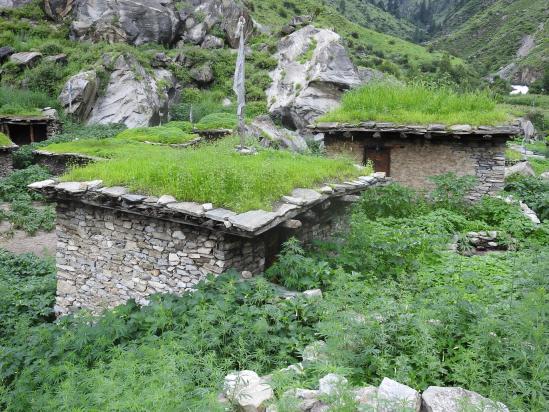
[{"x": 450, "y": 190}]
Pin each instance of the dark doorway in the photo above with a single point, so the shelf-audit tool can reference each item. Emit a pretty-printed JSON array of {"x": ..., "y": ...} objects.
[
  {"x": 380, "y": 156},
  {"x": 22, "y": 134}
]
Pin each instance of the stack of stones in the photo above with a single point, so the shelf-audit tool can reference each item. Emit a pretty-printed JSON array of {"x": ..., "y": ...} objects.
[
  {"x": 485, "y": 241},
  {"x": 6, "y": 160}
]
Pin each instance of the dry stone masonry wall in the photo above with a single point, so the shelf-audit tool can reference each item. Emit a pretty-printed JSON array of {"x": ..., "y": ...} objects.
[
  {"x": 6, "y": 161},
  {"x": 114, "y": 246}
]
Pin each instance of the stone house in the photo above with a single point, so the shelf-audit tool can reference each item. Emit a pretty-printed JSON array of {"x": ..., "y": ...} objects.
[
  {"x": 114, "y": 246},
  {"x": 24, "y": 130},
  {"x": 411, "y": 154}
]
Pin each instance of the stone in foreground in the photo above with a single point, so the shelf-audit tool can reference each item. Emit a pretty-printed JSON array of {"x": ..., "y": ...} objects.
[
  {"x": 247, "y": 390},
  {"x": 437, "y": 399},
  {"x": 394, "y": 396}
]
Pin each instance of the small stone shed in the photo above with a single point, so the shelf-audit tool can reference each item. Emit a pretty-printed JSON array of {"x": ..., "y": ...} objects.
[
  {"x": 24, "y": 130},
  {"x": 114, "y": 246},
  {"x": 411, "y": 154}
]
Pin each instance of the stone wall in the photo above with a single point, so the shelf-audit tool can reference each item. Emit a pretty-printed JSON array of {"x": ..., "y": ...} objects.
[
  {"x": 107, "y": 256},
  {"x": 414, "y": 160},
  {"x": 6, "y": 162}
]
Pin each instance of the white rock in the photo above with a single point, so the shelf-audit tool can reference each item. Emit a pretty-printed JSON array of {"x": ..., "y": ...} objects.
[
  {"x": 331, "y": 384},
  {"x": 521, "y": 168},
  {"x": 253, "y": 220},
  {"x": 437, "y": 399},
  {"x": 394, "y": 396},
  {"x": 42, "y": 184},
  {"x": 313, "y": 294},
  {"x": 247, "y": 390},
  {"x": 166, "y": 199},
  {"x": 72, "y": 187},
  {"x": 189, "y": 208}
]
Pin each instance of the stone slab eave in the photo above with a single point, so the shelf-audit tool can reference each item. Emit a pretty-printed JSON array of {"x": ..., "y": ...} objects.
[{"x": 247, "y": 224}]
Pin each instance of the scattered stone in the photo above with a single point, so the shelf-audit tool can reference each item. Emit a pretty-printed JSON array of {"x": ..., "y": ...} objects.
[
  {"x": 202, "y": 74},
  {"x": 25, "y": 59},
  {"x": 246, "y": 274},
  {"x": 247, "y": 390},
  {"x": 313, "y": 294},
  {"x": 529, "y": 213},
  {"x": 331, "y": 384},
  {"x": 437, "y": 399},
  {"x": 393, "y": 395},
  {"x": 57, "y": 59},
  {"x": 521, "y": 168}
]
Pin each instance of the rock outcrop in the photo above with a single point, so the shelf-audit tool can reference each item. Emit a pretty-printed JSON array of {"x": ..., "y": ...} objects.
[
  {"x": 58, "y": 9},
  {"x": 264, "y": 129},
  {"x": 25, "y": 59},
  {"x": 200, "y": 17},
  {"x": 12, "y": 4},
  {"x": 132, "y": 21},
  {"x": 79, "y": 94},
  {"x": 134, "y": 97},
  {"x": 312, "y": 73}
]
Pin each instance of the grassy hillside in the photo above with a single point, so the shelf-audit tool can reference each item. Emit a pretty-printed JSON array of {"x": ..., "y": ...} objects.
[
  {"x": 493, "y": 36},
  {"x": 371, "y": 16}
]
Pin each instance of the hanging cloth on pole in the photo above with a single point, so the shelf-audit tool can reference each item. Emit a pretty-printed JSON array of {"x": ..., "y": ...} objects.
[{"x": 239, "y": 86}]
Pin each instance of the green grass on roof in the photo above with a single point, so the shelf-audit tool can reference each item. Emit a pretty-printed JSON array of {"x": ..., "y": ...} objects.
[
  {"x": 185, "y": 126},
  {"x": 213, "y": 173},
  {"x": 106, "y": 148},
  {"x": 161, "y": 134},
  {"x": 414, "y": 104},
  {"x": 5, "y": 140},
  {"x": 217, "y": 121}
]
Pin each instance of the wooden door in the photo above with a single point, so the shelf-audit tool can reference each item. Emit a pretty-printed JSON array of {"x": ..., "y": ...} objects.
[{"x": 380, "y": 156}]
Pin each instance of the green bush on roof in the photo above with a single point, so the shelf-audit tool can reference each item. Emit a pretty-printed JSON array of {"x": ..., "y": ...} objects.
[{"x": 160, "y": 134}]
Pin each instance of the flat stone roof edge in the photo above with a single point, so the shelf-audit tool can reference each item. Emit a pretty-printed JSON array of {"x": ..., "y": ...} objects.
[{"x": 247, "y": 224}]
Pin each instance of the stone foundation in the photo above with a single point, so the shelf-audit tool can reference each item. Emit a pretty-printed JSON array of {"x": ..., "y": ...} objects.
[{"x": 6, "y": 161}]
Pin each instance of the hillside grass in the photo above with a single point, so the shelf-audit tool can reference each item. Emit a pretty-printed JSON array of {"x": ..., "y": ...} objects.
[
  {"x": 23, "y": 102},
  {"x": 415, "y": 104},
  {"x": 161, "y": 134},
  {"x": 209, "y": 173}
]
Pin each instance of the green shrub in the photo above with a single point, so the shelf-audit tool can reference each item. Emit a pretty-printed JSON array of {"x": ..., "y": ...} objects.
[
  {"x": 5, "y": 140},
  {"x": 184, "y": 126},
  {"x": 24, "y": 216},
  {"x": 392, "y": 200},
  {"x": 14, "y": 187},
  {"x": 21, "y": 101},
  {"x": 450, "y": 190}
]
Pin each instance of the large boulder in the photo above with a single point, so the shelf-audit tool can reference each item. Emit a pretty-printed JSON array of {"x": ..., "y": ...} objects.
[
  {"x": 135, "y": 97},
  {"x": 437, "y": 399},
  {"x": 25, "y": 59},
  {"x": 58, "y": 9},
  {"x": 264, "y": 129},
  {"x": 79, "y": 94},
  {"x": 247, "y": 390},
  {"x": 131, "y": 21},
  {"x": 393, "y": 396},
  {"x": 313, "y": 72},
  {"x": 521, "y": 168},
  {"x": 12, "y": 4},
  {"x": 201, "y": 16}
]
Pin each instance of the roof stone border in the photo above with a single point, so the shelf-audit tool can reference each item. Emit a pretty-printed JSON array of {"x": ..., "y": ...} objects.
[{"x": 248, "y": 224}]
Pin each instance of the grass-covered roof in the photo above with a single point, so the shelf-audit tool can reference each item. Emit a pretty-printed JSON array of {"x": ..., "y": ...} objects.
[
  {"x": 416, "y": 104},
  {"x": 208, "y": 173}
]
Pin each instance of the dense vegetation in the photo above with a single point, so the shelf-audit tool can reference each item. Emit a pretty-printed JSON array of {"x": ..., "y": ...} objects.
[
  {"x": 169, "y": 134},
  {"x": 196, "y": 174},
  {"x": 396, "y": 303},
  {"x": 416, "y": 104}
]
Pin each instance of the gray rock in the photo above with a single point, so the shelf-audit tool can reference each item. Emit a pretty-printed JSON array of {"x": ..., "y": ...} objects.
[
  {"x": 313, "y": 294},
  {"x": 25, "y": 59},
  {"x": 212, "y": 42},
  {"x": 80, "y": 94},
  {"x": 528, "y": 129},
  {"x": 306, "y": 398},
  {"x": 545, "y": 176},
  {"x": 461, "y": 128},
  {"x": 166, "y": 199},
  {"x": 42, "y": 184},
  {"x": 115, "y": 191},
  {"x": 521, "y": 168},
  {"x": 189, "y": 208},
  {"x": 130, "y": 21},
  {"x": 303, "y": 197},
  {"x": 331, "y": 384},
  {"x": 308, "y": 82},
  {"x": 247, "y": 390},
  {"x": 160, "y": 60},
  {"x": 57, "y": 59},
  {"x": 366, "y": 398},
  {"x": 58, "y": 9},
  {"x": 147, "y": 104},
  {"x": 394, "y": 397},
  {"x": 13, "y": 4},
  {"x": 5, "y": 52},
  {"x": 437, "y": 399},
  {"x": 220, "y": 214},
  {"x": 253, "y": 220},
  {"x": 197, "y": 34},
  {"x": 202, "y": 74},
  {"x": 72, "y": 187},
  {"x": 264, "y": 127}
]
